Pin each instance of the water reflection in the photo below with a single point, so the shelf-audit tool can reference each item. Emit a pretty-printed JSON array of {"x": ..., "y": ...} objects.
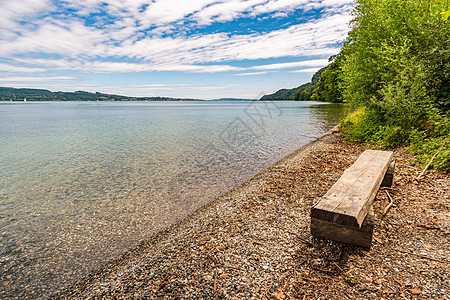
[{"x": 82, "y": 182}]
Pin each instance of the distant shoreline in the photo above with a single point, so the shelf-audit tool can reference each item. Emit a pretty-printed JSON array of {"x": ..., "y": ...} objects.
[
  {"x": 9, "y": 94},
  {"x": 172, "y": 100}
]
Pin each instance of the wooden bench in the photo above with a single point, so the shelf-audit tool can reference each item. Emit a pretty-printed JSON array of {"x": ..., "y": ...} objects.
[{"x": 344, "y": 213}]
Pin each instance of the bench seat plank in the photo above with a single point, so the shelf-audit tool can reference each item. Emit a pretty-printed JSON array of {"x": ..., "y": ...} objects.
[{"x": 349, "y": 200}]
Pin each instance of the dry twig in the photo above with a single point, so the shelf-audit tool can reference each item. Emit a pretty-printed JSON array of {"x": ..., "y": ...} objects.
[
  {"x": 428, "y": 227},
  {"x": 390, "y": 203},
  {"x": 388, "y": 188},
  {"x": 304, "y": 241},
  {"x": 431, "y": 160},
  {"x": 340, "y": 269}
]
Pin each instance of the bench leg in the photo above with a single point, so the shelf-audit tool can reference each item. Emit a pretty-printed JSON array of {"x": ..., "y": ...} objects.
[
  {"x": 345, "y": 234},
  {"x": 389, "y": 176}
]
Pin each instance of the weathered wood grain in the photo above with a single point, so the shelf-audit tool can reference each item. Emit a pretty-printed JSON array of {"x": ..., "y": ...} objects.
[
  {"x": 350, "y": 198},
  {"x": 345, "y": 234}
]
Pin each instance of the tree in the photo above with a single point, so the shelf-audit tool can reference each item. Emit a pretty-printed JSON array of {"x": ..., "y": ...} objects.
[
  {"x": 328, "y": 87},
  {"x": 395, "y": 67},
  {"x": 304, "y": 92},
  {"x": 392, "y": 38},
  {"x": 300, "y": 93}
]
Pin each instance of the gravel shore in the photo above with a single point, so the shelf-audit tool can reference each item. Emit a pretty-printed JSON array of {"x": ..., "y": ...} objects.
[{"x": 254, "y": 242}]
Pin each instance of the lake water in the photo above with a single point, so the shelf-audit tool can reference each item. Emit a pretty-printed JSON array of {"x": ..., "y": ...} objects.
[{"x": 81, "y": 182}]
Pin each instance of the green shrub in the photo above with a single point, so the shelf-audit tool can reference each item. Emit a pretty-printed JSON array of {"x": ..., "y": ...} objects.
[
  {"x": 363, "y": 126},
  {"x": 395, "y": 64},
  {"x": 427, "y": 141}
]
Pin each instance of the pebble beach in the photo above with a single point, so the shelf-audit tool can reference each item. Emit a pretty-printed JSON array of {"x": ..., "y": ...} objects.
[{"x": 254, "y": 241}]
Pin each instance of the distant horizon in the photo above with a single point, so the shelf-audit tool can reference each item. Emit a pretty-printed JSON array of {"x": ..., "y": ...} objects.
[
  {"x": 124, "y": 95},
  {"x": 101, "y": 93},
  {"x": 19, "y": 99},
  {"x": 202, "y": 49}
]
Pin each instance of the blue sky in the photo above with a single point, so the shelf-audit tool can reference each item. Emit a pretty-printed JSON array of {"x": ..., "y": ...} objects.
[{"x": 176, "y": 48}]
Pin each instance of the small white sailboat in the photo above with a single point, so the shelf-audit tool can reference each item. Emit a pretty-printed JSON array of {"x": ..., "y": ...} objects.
[{"x": 24, "y": 99}]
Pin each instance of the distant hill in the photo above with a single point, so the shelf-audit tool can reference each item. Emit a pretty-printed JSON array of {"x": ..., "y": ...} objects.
[
  {"x": 301, "y": 93},
  {"x": 8, "y": 94}
]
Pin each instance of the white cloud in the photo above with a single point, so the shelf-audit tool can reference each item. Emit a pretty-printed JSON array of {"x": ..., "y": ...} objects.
[
  {"x": 305, "y": 63},
  {"x": 122, "y": 47},
  {"x": 112, "y": 7},
  {"x": 50, "y": 64},
  {"x": 14, "y": 11},
  {"x": 65, "y": 39},
  {"x": 337, "y": 3},
  {"x": 124, "y": 67},
  {"x": 309, "y": 70},
  {"x": 225, "y": 11},
  {"x": 108, "y": 67},
  {"x": 280, "y": 5},
  {"x": 37, "y": 78},
  {"x": 313, "y": 38},
  {"x": 20, "y": 69},
  {"x": 252, "y": 73},
  {"x": 168, "y": 11},
  {"x": 198, "y": 68},
  {"x": 280, "y": 14}
]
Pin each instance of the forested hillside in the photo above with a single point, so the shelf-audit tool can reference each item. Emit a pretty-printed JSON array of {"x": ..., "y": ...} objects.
[
  {"x": 13, "y": 94},
  {"x": 301, "y": 93}
]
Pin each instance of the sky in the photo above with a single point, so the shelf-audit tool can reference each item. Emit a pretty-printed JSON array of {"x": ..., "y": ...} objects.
[{"x": 204, "y": 49}]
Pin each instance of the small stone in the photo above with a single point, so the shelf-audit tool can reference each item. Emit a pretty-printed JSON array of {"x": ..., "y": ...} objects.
[
  {"x": 279, "y": 295},
  {"x": 415, "y": 291},
  {"x": 208, "y": 277}
]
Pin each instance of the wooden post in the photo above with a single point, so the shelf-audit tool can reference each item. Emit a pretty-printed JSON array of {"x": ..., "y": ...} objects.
[{"x": 389, "y": 177}]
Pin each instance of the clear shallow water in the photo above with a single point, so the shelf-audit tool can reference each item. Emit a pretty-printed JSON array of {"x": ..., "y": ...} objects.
[{"x": 81, "y": 182}]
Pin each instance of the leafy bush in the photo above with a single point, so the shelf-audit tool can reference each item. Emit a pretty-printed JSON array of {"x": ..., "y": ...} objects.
[
  {"x": 395, "y": 65},
  {"x": 363, "y": 126},
  {"x": 434, "y": 138}
]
